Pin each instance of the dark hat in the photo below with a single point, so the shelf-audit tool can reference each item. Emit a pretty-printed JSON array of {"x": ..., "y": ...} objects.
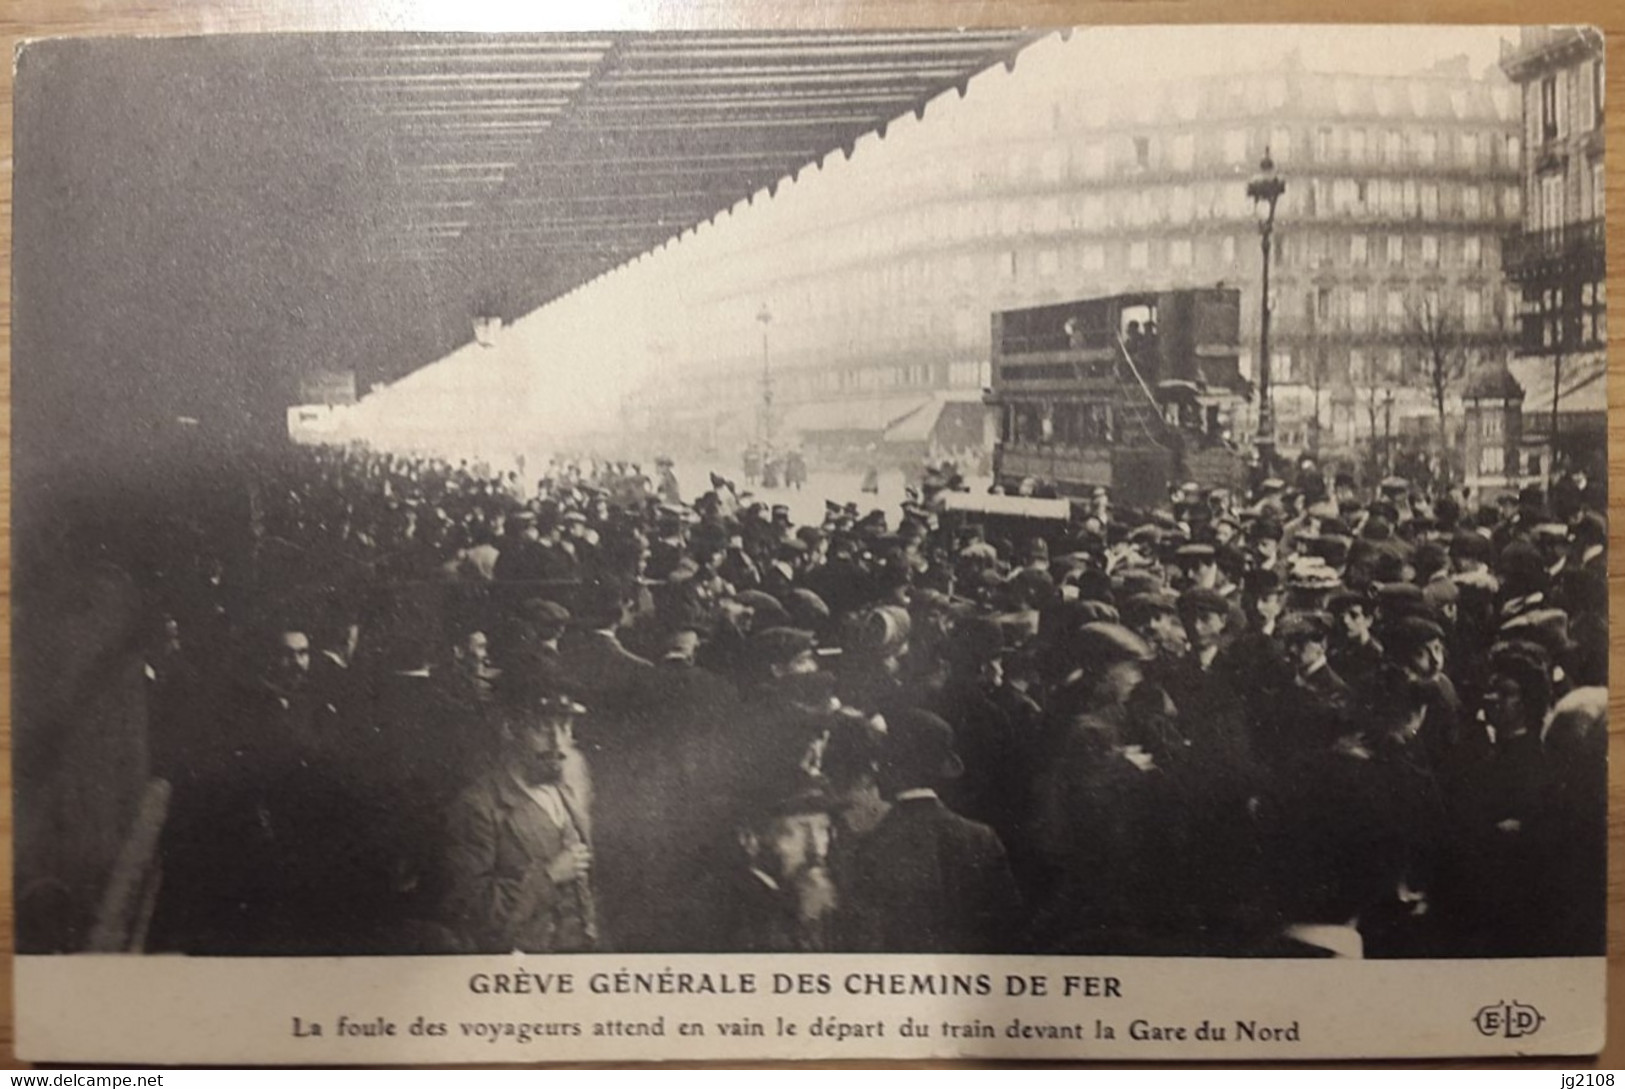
[
  {"x": 600, "y": 603},
  {"x": 780, "y": 508},
  {"x": 775, "y": 800},
  {"x": 781, "y": 645},
  {"x": 1548, "y": 628},
  {"x": 919, "y": 750},
  {"x": 1591, "y": 528},
  {"x": 1397, "y": 598},
  {"x": 1395, "y": 484},
  {"x": 768, "y": 612},
  {"x": 1196, "y": 553},
  {"x": 1202, "y": 600},
  {"x": 1376, "y": 529},
  {"x": 534, "y": 690},
  {"x": 1139, "y": 580},
  {"x": 1090, "y": 611},
  {"x": 1306, "y": 627},
  {"x": 1409, "y": 633},
  {"x": 1038, "y": 549},
  {"x": 1344, "y": 600},
  {"x": 548, "y": 618},
  {"x": 1441, "y": 591},
  {"x": 975, "y": 640},
  {"x": 1141, "y": 608},
  {"x": 1103, "y": 643},
  {"x": 807, "y": 610},
  {"x": 1261, "y": 582}
]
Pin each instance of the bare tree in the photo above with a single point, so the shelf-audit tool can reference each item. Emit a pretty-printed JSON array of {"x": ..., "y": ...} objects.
[
  {"x": 1437, "y": 336},
  {"x": 1379, "y": 405}
]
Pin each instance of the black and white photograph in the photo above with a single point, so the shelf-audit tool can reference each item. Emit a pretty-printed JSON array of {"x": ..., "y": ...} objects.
[{"x": 1097, "y": 492}]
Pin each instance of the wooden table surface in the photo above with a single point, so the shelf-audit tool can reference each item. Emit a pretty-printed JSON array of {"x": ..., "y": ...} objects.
[{"x": 20, "y": 19}]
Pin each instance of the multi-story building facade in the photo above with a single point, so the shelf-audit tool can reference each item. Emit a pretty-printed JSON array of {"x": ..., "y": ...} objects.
[
  {"x": 1399, "y": 191},
  {"x": 1555, "y": 258}
]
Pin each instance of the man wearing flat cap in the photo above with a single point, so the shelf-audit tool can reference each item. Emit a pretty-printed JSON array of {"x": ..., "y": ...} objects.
[
  {"x": 927, "y": 880},
  {"x": 996, "y": 732},
  {"x": 518, "y": 864},
  {"x": 1318, "y": 708}
]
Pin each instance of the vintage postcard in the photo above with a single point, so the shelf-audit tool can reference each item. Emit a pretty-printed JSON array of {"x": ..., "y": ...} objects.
[{"x": 1009, "y": 543}]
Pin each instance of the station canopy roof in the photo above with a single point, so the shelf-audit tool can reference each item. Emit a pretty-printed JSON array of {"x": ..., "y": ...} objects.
[
  {"x": 525, "y": 166},
  {"x": 294, "y": 205}
]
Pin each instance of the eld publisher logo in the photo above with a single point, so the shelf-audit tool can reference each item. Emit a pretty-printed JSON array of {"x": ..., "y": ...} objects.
[{"x": 1509, "y": 1019}]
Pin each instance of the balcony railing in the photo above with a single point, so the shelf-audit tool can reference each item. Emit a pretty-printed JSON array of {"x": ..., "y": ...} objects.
[{"x": 1526, "y": 248}]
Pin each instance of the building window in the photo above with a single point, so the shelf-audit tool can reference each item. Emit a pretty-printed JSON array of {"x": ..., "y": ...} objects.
[
  {"x": 1599, "y": 191},
  {"x": 1049, "y": 167},
  {"x": 1491, "y": 461},
  {"x": 1227, "y": 250},
  {"x": 1470, "y": 206},
  {"x": 1094, "y": 257},
  {"x": 1357, "y": 308},
  {"x": 1551, "y": 202},
  {"x": 1181, "y": 206},
  {"x": 1430, "y": 202},
  {"x": 1323, "y": 145},
  {"x": 1142, "y": 152},
  {"x": 1472, "y": 309},
  {"x": 1184, "y": 151},
  {"x": 1472, "y": 251},
  {"x": 966, "y": 328},
  {"x": 1548, "y": 108},
  {"x": 1396, "y": 249},
  {"x": 1138, "y": 255},
  {"x": 1049, "y": 262},
  {"x": 1179, "y": 253},
  {"x": 1512, "y": 202},
  {"x": 1235, "y": 146},
  {"x": 1281, "y": 145},
  {"x": 1094, "y": 161},
  {"x": 1396, "y": 308},
  {"x": 1491, "y": 425},
  {"x": 1430, "y": 250},
  {"x": 1357, "y": 250},
  {"x": 1281, "y": 364},
  {"x": 1359, "y": 369},
  {"x": 1598, "y": 95},
  {"x": 1427, "y": 148},
  {"x": 1357, "y": 145},
  {"x": 1469, "y": 149},
  {"x": 1392, "y": 149}
]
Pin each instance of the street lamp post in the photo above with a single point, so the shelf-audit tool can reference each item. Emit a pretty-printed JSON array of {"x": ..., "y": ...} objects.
[
  {"x": 1265, "y": 192},
  {"x": 1388, "y": 433},
  {"x": 765, "y": 316}
]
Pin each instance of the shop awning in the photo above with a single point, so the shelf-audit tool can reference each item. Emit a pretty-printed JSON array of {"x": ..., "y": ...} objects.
[{"x": 874, "y": 414}]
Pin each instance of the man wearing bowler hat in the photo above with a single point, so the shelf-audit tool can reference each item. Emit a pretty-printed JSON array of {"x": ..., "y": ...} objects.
[{"x": 927, "y": 880}]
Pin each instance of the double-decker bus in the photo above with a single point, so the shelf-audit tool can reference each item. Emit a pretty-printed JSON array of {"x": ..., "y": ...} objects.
[{"x": 1131, "y": 393}]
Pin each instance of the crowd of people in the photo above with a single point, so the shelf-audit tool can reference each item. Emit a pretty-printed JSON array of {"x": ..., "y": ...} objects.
[{"x": 426, "y": 708}]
